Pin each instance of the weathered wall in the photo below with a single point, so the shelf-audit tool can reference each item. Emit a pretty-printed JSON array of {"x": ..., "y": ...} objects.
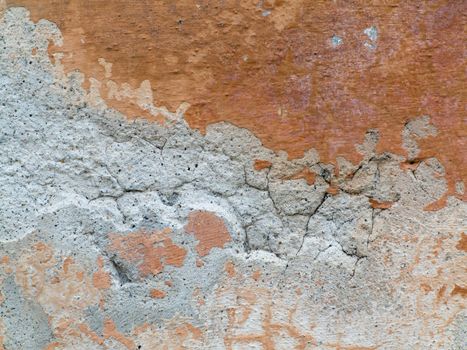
[{"x": 232, "y": 175}]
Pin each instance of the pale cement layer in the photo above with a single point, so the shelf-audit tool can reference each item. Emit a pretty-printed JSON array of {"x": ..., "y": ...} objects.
[{"x": 304, "y": 268}]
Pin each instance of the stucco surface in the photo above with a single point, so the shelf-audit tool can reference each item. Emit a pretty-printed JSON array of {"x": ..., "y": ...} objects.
[
  {"x": 123, "y": 226},
  {"x": 298, "y": 74}
]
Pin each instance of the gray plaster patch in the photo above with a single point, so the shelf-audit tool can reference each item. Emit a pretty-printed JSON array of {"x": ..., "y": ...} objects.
[{"x": 25, "y": 322}]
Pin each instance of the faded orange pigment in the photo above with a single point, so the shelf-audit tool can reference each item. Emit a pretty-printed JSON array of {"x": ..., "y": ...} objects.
[
  {"x": 209, "y": 230},
  {"x": 305, "y": 174},
  {"x": 458, "y": 290},
  {"x": 101, "y": 278},
  {"x": 110, "y": 331},
  {"x": 229, "y": 267},
  {"x": 279, "y": 75},
  {"x": 157, "y": 294},
  {"x": 462, "y": 244},
  {"x": 150, "y": 251},
  {"x": 254, "y": 298},
  {"x": 262, "y": 164},
  {"x": 187, "y": 329},
  {"x": 375, "y": 204}
]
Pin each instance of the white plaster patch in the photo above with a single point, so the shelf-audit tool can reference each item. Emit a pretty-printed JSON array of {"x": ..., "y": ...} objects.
[
  {"x": 336, "y": 41},
  {"x": 372, "y": 34}
]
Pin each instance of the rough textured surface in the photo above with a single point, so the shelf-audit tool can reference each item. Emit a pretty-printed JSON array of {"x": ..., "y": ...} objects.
[
  {"x": 124, "y": 233},
  {"x": 299, "y": 74}
]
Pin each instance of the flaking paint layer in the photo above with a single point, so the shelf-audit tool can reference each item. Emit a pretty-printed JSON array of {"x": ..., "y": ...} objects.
[{"x": 269, "y": 66}]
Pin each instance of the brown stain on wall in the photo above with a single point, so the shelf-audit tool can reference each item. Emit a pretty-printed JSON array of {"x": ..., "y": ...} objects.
[
  {"x": 277, "y": 72},
  {"x": 462, "y": 243},
  {"x": 209, "y": 230},
  {"x": 458, "y": 290},
  {"x": 440, "y": 294}
]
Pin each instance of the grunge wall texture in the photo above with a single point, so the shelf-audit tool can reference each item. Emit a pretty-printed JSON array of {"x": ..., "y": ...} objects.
[{"x": 239, "y": 174}]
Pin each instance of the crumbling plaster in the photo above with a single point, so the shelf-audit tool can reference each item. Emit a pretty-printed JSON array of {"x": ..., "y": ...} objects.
[{"x": 97, "y": 249}]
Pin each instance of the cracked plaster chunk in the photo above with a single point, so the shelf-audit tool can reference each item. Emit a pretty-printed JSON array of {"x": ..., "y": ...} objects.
[
  {"x": 134, "y": 166},
  {"x": 337, "y": 258},
  {"x": 263, "y": 232},
  {"x": 296, "y": 196},
  {"x": 345, "y": 220}
]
